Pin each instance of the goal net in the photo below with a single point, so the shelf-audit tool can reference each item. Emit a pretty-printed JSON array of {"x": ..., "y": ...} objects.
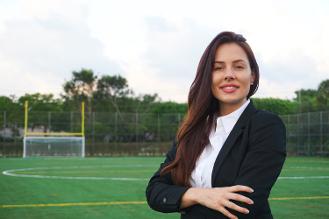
[
  {"x": 36, "y": 146},
  {"x": 53, "y": 134}
]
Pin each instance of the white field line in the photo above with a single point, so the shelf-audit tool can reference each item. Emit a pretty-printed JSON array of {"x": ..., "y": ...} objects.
[
  {"x": 13, "y": 173},
  {"x": 307, "y": 168},
  {"x": 303, "y": 177}
]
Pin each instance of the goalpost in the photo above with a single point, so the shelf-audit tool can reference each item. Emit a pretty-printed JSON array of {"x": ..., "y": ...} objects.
[{"x": 49, "y": 143}]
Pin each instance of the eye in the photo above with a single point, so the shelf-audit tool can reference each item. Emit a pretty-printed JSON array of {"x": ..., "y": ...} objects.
[
  {"x": 218, "y": 68},
  {"x": 240, "y": 67}
]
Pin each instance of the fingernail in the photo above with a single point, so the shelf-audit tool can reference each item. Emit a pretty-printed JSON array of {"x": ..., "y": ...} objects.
[{"x": 247, "y": 212}]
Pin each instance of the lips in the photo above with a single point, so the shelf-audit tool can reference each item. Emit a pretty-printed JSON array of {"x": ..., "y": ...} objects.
[{"x": 229, "y": 88}]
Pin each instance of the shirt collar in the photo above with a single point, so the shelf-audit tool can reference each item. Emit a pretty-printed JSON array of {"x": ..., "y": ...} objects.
[{"x": 228, "y": 121}]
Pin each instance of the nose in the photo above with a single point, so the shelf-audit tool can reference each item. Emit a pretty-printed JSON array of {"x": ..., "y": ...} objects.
[{"x": 229, "y": 74}]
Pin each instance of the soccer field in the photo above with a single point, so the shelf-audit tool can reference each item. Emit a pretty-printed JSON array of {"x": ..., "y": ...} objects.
[{"x": 115, "y": 188}]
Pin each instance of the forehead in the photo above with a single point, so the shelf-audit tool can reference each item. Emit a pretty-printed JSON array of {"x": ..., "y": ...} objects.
[{"x": 230, "y": 52}]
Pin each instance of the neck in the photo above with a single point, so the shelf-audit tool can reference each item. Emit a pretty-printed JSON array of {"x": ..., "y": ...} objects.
[{"x": 225, "y": 109}]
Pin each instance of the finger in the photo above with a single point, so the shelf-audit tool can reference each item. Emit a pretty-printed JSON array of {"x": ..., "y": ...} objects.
[
  {"x": 240, "y": 188},
  {"x": 227, "y": 213},
  {"x": 240, "y": 198},
  {"x": 235, "y": 207}
]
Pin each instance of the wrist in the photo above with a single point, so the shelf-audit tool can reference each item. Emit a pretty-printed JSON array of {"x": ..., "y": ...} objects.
[
  {"x": 190, "y": 197},
  {"x": 195, "y": 195}
]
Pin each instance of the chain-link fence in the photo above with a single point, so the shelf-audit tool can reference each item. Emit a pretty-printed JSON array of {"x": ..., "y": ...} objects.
[
  {"x": 146, "y": 134},
  {"x": 106, "y": 133},
  {"x": 307, "y": 133}
]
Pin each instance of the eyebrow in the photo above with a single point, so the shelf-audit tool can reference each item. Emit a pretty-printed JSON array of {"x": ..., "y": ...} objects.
[{"x": 235, "y": 61}]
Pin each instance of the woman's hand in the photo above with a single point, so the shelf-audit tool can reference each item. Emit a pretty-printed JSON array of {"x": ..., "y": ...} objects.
[{"x": 218, "y": 198}]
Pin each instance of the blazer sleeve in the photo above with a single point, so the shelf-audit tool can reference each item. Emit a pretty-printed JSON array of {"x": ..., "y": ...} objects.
[
  {"x": 263, "y": 161},
  {"x": 162, "y": 195}
]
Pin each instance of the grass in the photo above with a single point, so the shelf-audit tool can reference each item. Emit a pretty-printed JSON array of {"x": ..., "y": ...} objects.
[{"x": 98, "y": 195}]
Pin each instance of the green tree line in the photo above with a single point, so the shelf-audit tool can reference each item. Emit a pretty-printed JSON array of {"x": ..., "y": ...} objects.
[{"x": 111, "y": 93}]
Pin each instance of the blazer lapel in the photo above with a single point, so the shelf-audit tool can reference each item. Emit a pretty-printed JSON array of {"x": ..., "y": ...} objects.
[{"x": 229, "y": 143}]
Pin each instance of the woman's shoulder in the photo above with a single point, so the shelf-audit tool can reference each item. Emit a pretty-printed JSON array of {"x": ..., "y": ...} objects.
[{"x": 264, "y": 116}]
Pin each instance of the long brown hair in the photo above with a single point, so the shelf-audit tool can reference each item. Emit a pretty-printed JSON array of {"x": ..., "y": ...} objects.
[{"x": 193, "y": 134}]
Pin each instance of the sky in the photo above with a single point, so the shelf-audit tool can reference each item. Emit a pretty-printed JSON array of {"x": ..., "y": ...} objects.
[{"x": 156, "y": 45}]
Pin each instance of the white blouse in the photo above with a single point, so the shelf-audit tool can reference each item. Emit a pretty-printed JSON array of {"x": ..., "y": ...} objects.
[{"x": 201, "y": 175}]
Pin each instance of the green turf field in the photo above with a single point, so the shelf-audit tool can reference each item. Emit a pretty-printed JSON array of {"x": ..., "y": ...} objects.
[{"x": 115, "y": 188}]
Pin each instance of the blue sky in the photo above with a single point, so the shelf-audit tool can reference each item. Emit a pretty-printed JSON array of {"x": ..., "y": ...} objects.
[{"x": 157, "y": 45}]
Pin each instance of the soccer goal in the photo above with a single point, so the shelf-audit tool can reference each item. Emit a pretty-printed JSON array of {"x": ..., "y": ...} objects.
[{"x": 44, "y": 142}]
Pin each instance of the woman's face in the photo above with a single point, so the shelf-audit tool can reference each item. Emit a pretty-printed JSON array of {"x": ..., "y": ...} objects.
[{"x": 231, "y": 77}]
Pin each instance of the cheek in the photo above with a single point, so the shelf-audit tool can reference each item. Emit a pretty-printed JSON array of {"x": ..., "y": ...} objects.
[
  {"x": 246, "y": 80},
  {"x": 215, "y": 79},
  {"x": 246, "y": 85}
]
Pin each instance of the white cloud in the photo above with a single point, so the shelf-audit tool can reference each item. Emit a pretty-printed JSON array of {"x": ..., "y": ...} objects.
[
  {"x": 157, "y": 45},
  {"x": 43, "y": 50}
]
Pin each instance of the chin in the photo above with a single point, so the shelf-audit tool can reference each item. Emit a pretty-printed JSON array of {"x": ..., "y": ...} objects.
[{"x": 232, "y": 101}]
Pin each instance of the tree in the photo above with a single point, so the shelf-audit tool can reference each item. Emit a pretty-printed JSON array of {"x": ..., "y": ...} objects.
[
  {"x": 113, "y": 86},
  {"x": 7, "y": 104},
  {"x": 40, "y": 105},
  {"x": 41, "y": 102},
  {"x": 81, "y": 87},
  {"x": 275, "y": 105},
  {"x": 10, "y": 111},
  {"x": 307, "y": 100},
  {"x": 323, "y": 95},
  {"x": 110, "y": 88}
]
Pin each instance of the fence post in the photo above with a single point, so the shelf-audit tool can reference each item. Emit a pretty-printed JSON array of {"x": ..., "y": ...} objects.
[
  {"x": 158, "y": 126},
  {"x": 93, "y": 129},
  {"x": 4, "y": 119},
  {"x": 136, "y": 126},
  {"x": 116, "y": 133},
  {"x": 308, "y": 134},
  {"x": 4, "y": 128},
  {"x": 298, "y": 133},
  {"x": 49, "y": 121},
  {"x": 71, "y": 121},
  {"x": 288, "y": 131},
  {"x": 321, "y": 133},
  {"x": 15, "y": 142}
]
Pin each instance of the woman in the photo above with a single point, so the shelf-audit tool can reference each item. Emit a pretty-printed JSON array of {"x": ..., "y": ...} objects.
[{"x": 228, "y": 154}]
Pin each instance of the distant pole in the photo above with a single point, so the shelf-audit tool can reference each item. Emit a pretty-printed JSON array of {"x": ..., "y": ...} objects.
[
  {"x": 83, "y": 129},
  {"x": 158, "y": 124},
  {"x": 300, "y": 100},
  {"x": 26, "y": 106},
  {"x": 308, "y": 134},
  {"x": 321, "y": 133},
  {"x": 136, "y": 126},
  {"x": 49, "y": 122},
  {"x": 83, "y": 119}
]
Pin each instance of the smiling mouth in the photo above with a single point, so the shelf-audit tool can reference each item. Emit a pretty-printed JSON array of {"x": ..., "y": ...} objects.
[{"x": 229, "y": 89}]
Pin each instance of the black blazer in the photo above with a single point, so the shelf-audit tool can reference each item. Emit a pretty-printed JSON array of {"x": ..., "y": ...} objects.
[{"x": 252, "y": 155}]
